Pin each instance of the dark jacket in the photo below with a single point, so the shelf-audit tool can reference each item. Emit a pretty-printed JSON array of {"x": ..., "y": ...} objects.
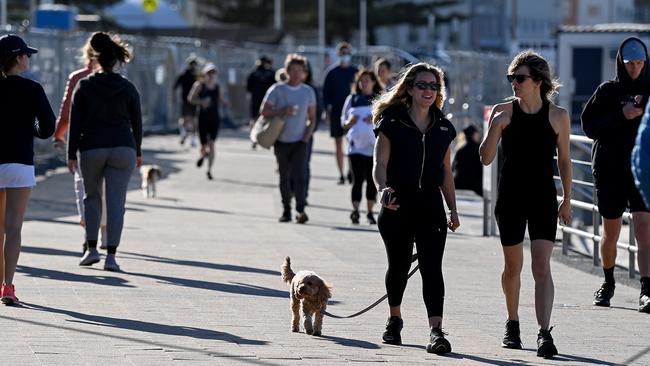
[
  {"x": 416, "y": 160},
  {"x": 185, "y": 81},
  {"x": 603, "y": 119},
  {"x": 105, "y": 113},
  {"x": 336, "y": 87},
  {"x": 467, "y": 167},
  {"x": 22, "y": 102},
  {"x": 258, "y": 82}
]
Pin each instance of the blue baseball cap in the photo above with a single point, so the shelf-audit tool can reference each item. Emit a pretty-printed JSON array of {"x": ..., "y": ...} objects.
[
  {"x": 11, "y": 44},
  {"x": 633, "y": 50}
]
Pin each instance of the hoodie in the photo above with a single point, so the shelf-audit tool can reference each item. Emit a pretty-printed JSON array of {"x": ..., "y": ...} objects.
[
  {"x": 105, "y": 113},
  {"x": 604, "y": 122}
]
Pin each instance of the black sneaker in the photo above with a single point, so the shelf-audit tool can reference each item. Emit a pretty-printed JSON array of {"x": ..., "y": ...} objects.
[
  {"x": 354, "y": 216},
  {"x": 604, "y": 294},
  {"x": 199, "y": 162},
  {"x": 341, "y": 181},
  {"x": 394, "y": 326},
  {"x": 286, "y": 217},
  {"x": 210, "y": 177},
  {"x": 644, "y": 303},
  {"x": 84, "y": 247},
  {"x": 545, "y": 346},
  {"x": 302, "y": 218},
  {"x": 371, "y": 219},
  {"x": 511, "y": 338},
  {"x": 437, "y": 342}
]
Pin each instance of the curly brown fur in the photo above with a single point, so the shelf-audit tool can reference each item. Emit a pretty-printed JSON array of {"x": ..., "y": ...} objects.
[{"x": 309, "y": 292}]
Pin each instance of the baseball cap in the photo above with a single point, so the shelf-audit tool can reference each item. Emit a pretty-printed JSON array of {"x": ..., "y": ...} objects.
[
  {"x": 633, "y": 50},
  {"x": 209, "y": 67},
  {"x": 11, "y": 44}
]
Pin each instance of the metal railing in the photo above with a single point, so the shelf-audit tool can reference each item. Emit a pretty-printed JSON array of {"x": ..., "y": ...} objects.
[{"x": 582, "y": 145}]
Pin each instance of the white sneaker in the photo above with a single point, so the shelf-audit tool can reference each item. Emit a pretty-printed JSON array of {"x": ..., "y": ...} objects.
[{"x": 90, "y": 257}]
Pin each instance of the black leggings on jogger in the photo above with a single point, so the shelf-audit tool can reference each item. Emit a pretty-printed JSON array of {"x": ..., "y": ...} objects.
[
  {"x": 362, "y": 171},
  {"x": 420, "y": 219}
]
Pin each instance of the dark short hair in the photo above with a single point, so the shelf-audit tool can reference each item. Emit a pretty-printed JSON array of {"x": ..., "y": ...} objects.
[
  {"x": 295, "y": 59},
  {"x": 382, "y": 62},
  {"x": 343, "y": 45}
]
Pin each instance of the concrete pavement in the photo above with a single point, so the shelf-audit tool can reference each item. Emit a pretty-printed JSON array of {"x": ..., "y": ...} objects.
[{"x": 201, "y": 282}]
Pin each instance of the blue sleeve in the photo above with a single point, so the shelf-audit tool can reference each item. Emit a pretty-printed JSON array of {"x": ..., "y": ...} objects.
[{"x": 641, "y": 157}]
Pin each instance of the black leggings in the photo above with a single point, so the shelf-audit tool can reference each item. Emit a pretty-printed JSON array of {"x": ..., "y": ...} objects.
[
  {"x": 399, "y": 229},
  {"x": 362, "y": 171}
]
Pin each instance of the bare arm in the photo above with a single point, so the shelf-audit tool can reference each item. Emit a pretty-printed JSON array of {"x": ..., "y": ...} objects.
[
  {"x": 499, "y": 119},
  {"x": 193, "y": 96},
  {"x": 380, "y": 164},
  {"x": 449, "y": 193},
  {"x": 564, "y": 162},
  {"x": 269, "y": 112}
]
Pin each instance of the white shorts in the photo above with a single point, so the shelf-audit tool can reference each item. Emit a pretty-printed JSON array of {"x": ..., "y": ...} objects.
[{"x": 14, "y": 175}]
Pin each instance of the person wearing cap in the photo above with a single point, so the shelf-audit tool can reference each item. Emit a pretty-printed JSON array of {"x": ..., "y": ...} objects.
[
  {"x": 257, "y": 83},
  {"x": 187, "y": 121},
  {"x": 467, "y": 167},
  {"x": 89, "y": 60},
  {"x": 206, "y": 95},
  {"x": 611, "y": 118},
  {"x": 22, "y": 101}
]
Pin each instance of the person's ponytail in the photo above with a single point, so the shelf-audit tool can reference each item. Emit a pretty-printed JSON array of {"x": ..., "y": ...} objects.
[{"x": 110, "y": 49}]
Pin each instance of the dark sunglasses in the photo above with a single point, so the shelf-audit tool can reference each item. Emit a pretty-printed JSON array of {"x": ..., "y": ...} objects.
[
  {"x": 423, "y": 85},
  {"x": 519, "y": 78}
]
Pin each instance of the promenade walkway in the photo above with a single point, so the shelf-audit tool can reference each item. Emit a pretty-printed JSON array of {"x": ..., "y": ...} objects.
[{"x": 201, "y": 282}]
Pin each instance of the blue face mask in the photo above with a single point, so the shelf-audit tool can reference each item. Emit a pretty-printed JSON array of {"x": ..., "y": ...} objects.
[{"x": 346, "y": 59}]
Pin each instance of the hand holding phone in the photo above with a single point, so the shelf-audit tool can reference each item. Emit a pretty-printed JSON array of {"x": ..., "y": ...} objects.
[{"x": 389, "y": 199}]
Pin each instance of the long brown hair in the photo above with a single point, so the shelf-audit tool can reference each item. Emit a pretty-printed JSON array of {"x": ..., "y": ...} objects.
[
  {"x": 539, "y": 71},
  {"x": 376, "y": 89},
  {"x": 87, "y": 53},
  {"x": 111, "y": 50},
  {"x": 399, "y": 93}
]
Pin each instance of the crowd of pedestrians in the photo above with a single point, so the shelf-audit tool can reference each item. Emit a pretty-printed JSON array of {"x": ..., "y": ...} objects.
[{"x": 399, "y": 144}]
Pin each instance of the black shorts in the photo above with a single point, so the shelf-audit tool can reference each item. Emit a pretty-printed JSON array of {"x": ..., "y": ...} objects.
[
  {"x": 336, "y": 130},
  {"x": 513, "y": 215},
  {"x": 188, "y": 109},
  {"x": 616, "y": 193},
  {"x": 208, "y": 131}
]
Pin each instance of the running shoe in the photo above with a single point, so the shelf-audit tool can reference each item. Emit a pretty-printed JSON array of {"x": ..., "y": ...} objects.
[
  {"x": 545, "y": 346},
  {"x": 511, "y": 338},
  {"x": 354, "y": 217},
  {"x": 644, "y": 303},
  {"x": 91, "y": 256},
  {"x": 438, "y": 344},
  {"x": 371, "y": 219},
  {"x": 392, "y": 335},
  {"x": 341, "y": 181},
  {"x": 604, "y": 294},
  {"x": 301, "y": 218},
  {"x": 286, "y": 217},
  {"x": 210, "y": 177},
  {"x": 8, "y": 295},
  {"x": 199, "y": 162},
  {"x": 110, "y": 264}
]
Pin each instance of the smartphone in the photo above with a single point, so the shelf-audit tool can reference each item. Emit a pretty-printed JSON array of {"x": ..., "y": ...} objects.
[
  {"x": 386, "y": 198},
  {"x": 641, "y": 103}
]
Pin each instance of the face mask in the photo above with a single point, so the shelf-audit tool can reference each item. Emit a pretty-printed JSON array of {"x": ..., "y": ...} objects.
[{"x": 346, "y": 59}]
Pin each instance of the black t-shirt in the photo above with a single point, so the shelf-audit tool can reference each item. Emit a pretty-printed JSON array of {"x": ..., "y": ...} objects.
[{"x": 185, "y": 81}]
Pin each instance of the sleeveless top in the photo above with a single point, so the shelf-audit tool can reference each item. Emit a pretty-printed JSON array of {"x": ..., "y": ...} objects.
[
  {"x": 529, "y": 143},
  {"x": 212, "y": 112}
]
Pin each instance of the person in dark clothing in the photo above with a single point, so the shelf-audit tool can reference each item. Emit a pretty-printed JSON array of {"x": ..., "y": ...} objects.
[
  {"x": 412, "y": 170},
  {"x": 207, "y": 96},
  {"x": 467, "y": 167},
  {"x": 258, "y": 82},
  {"x": 531, "y": 128},
  {"x": 106, "y": 130},
  {"x": 187, "y": 121},
  {"x": 309, "y": 80},
  {"x": 611, "y": 118},
  {"x": 336, "y": 87},
  {"x": 22, "y": 101},
  {"x": 641, "y": 157}
]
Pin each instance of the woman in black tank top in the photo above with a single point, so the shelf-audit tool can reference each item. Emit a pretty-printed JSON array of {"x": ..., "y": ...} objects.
[{"x": 530, "y": 128}]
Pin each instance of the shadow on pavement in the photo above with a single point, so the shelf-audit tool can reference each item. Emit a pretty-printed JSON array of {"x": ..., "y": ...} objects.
[
  {"x": 350, "y": 342},
  {"x": 147, "y": 327},
  {"x": 72, "y": 277},
  {"x": 516, "y": 362},
  {"x": 50, "y": 251},
  {"x": 248, "y": 184},
  {"x": 208, "y": 265},
  {"x": 182, "y": 208}
]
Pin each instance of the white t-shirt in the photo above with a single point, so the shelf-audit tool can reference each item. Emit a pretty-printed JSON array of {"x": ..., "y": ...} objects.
[
  {"x": 14, "y": 175},
  {"x": 302, "y": 97},
  {"x": 361, "y": 137}
]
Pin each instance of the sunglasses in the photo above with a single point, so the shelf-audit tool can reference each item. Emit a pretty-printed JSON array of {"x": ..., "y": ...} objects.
[
  {"x": 518, "y": 77},
  {"x": 423, "y": 85}
]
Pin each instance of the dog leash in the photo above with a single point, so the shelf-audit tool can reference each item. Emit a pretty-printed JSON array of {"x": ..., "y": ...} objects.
[{"x": 415, "y": 257}]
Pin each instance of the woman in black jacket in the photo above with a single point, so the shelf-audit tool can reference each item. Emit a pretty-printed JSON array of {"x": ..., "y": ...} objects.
[
  {"x": 612, "y": 117},
  {"x": 21, "y": 101},
  {"x": 106, "y": 127},
  {"x": 412, "y": 170}
]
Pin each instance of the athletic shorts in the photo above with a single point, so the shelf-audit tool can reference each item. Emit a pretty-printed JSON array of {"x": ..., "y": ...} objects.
[
  {"x": 615, "y": 196},
  {"x": 512, "y": 218},
  {"x": 336, "y": 130},
  {"x": 208, "y": 131}
]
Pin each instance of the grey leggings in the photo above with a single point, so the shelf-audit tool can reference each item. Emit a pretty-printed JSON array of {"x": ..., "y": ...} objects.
[{"x": 115, "y": 165}]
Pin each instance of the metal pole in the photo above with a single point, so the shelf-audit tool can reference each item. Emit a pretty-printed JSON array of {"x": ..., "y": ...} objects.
[
  {"x": 277, "y": 15},
  {"x": 630, "y": 254},
  {"x": 3, "y": 12},
  {"x": 595, "y": 221},
  {"x": 321, "y": 27},
  {"x": 363, "y": 25}
]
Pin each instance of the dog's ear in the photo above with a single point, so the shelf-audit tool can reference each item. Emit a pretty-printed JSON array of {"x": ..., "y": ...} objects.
[{"x": 324, "y": 292}]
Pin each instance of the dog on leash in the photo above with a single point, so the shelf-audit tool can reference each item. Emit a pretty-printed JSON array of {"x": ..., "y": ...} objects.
[
  {"x": 150, "y": 174},
  {"x": 312, "y": 292}
]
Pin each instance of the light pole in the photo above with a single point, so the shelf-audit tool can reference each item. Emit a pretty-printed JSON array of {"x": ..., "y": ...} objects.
[
  {"x": 3, "y": 13},
  {"x": 363, "y": 25},
  {"x": 321, "y": 27},
  {"x": 277, "y": 15}
]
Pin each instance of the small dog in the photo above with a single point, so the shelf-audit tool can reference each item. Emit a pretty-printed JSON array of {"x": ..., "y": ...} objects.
[
  {"x": 308, "y": 289},
  {"x": 150, "y": 174}
]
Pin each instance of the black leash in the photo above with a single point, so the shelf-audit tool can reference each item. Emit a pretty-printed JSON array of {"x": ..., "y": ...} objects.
[{"x": 415, "y": 257}]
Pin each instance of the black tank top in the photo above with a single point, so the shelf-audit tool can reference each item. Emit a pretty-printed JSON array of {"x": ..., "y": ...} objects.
[
  {"x": 212, "y": 112},
  {"x": 529, "y": 143}
]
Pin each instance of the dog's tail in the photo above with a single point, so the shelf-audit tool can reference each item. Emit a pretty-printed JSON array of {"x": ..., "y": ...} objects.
[{"x": 287, "y": 272}]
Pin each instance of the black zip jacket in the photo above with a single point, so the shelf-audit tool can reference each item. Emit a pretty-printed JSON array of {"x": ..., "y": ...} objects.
[
  {"x": 22, "y": 102},
  {"x": 105, "y": 113},
  {"x": 416, "y": 159},
  {"x": 604, "y": 122}
]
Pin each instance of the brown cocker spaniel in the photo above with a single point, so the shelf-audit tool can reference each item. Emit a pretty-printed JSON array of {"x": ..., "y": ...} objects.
[{"x": 308, "y": 289}]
